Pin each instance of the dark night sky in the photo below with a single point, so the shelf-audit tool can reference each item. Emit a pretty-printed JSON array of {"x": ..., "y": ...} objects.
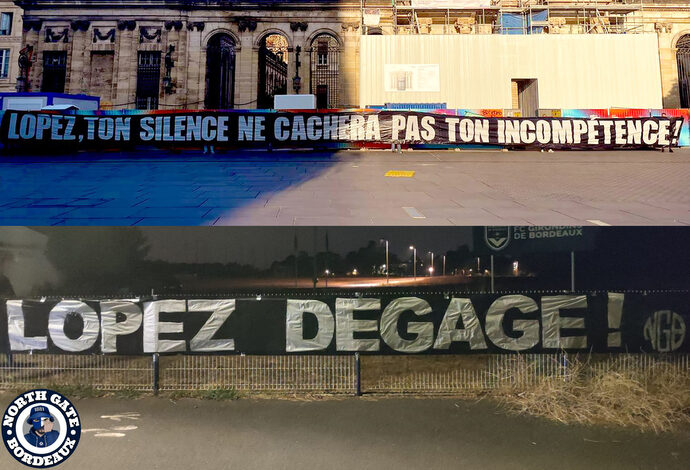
[
  {"x": 261, "y": 246},
  {"x": 619, "y": 257}
]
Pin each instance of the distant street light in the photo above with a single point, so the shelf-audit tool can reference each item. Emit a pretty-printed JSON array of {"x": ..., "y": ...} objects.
[
  {"x": 444, "y": 265},
  {"x": 387, "y": 269},
  {"x": 414, "y": 261},
  {"x": 431, "y": 271},
  {"x": 327, "y": 273}
]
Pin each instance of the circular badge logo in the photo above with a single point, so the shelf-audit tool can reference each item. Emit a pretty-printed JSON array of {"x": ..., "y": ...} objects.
[{"x": 41, "y": 428}]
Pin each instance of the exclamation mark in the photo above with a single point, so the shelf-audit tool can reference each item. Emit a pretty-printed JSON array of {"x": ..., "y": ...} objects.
[
  {"x": 615, "y": 314},
  {"x": 676, "y": 131}
]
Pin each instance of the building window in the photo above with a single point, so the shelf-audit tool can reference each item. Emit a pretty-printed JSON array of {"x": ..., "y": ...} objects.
[
  {"x": 322, "y": 53},
  {"x": 54, "y": 71},
  {"x": 324, "y": 81},
  {"x": 4, "y": 63},
  {"x": 683, "y": 59},
  {"x": 148, "y": 80},
  {"x": 5, "y": 24}
]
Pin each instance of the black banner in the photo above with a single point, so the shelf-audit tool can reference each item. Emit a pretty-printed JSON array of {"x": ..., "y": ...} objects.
[
  {"x": 429, "y": 323},
  {"x": 51, "y": 131}
]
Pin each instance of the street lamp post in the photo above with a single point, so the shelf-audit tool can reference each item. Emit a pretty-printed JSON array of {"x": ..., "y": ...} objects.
[
  {"x": 414, "y": 261},
  {"x": 387, "y": 265},
  {"x": 444, "y": 265},
  {"x": 327, "y": 273},
  {"x": 431, "y": 271}
]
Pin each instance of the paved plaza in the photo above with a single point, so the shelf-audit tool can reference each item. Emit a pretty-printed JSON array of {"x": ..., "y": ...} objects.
[{"x": 487, "y": 187}]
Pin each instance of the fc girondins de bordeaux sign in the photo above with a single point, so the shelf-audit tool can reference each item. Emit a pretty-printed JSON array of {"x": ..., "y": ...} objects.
[{"x": 428, "y": 323}]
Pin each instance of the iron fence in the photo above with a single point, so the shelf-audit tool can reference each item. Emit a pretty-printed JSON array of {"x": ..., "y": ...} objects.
[
  {"x": 326, "y": 374},
  {"x": 341, "y": 374},
  {"x": 457, "y": 374},
  {"x": 97, "y": 371}
]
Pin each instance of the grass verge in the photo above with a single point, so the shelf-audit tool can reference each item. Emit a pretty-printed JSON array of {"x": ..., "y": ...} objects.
[
  {"x": 656, "y": 398},
  {"x": 210, "y": 394}
]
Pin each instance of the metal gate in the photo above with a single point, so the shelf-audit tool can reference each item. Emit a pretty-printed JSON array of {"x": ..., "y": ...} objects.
[
  {"x": 148, "y": 79},
  {"x": 683, "y": 56},
  {"x": 220, "y": 72},
  {"x": 54, "y": 71},
  {"x": 272, "y": 77},
  {"x": 324, "y": 71}
]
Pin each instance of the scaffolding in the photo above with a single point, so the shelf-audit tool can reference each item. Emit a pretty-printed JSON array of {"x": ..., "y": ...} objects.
[{"x": 506, "y": 17}]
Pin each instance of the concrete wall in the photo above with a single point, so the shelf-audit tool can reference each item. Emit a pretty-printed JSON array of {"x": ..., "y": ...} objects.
[{"x": 573, "y": 71}]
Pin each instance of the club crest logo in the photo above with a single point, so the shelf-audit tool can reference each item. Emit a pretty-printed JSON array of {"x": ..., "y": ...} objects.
[
  {"x": 41, "y": 428},
  {"x": 497, "y": 238}
]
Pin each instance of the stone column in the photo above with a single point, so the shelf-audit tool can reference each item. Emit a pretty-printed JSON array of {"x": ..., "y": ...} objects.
[
  {"x": 195, "y": 66},
  {"x": 126, "y": 67},
  {"x": 349, "y": 66},
  {"x": 179, "y": 73},
  {"x": 246, "y": 72},
  {"x": 30, "y": 38},
  {"x": 78, "y": 64},
  {"x": 668, "y": 65},
  {"x": 299, "y": 38}
]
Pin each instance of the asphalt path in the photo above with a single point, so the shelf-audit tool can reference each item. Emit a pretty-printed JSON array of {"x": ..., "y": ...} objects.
[
  {"x": 347, "y": 188},
  {"x": 349, "y": 433}
]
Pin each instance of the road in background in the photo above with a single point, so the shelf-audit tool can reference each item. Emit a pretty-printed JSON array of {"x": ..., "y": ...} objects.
[
  {"x": 348, "y": 188},
  {"x": 349, "y": 433}
]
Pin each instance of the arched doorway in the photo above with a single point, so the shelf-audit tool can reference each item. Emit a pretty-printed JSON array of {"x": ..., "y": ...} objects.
[
  {"x": 220, "y": 72},
  {"x": 273, "y": 59},
  {"x": 683, "y": 57},
  {"x": 325, "y": 55}
]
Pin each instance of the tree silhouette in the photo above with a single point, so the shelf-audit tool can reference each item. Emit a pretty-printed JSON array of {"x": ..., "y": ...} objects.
[{"x": 98, "y": 259}]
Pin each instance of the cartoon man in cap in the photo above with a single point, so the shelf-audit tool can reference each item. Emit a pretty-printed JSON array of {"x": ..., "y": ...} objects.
[{"x": 41, "y": 433}]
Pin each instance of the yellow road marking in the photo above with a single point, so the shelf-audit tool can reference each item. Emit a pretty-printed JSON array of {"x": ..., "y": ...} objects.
[{"x": 400, "y": 174}]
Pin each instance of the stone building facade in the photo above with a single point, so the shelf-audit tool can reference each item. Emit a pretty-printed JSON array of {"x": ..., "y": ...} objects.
[
  {"x": 670, "y": 20},
  {"x": 167, "y": 54},
  {"x": 172, "y": 54},
  {"x": 10, "y": 44}
]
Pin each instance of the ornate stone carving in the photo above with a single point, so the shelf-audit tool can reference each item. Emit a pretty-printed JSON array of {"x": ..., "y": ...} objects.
[
  {"x": 351, "y": 26},
  {"x": 149, "y": 34},
  {"x": 129, "y": 25},
  {"x": 34, "y": 25},
  {"x": 80, "y": 25},
  {"x": 173, "y": 24},
  {"x": 98, "y": 36},
  {"x": 298, "y": 25},
  {"x": 198, "y": 25},
  {"x": 57, "y": 37},
  {"x": 246, "y": 23},
  {"x": 663, "y": 27}
]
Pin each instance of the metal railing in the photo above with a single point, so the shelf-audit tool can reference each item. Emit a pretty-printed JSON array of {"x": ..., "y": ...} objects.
[
  {"x": 326, "y": 374},
  {"x": 340, "y": 374},
  {"x": 97, "y": 371},
  {"x": 457, "y": 374}
]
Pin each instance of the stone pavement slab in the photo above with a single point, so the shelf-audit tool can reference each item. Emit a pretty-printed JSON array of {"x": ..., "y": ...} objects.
[{"x": 347, "y": 188}]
